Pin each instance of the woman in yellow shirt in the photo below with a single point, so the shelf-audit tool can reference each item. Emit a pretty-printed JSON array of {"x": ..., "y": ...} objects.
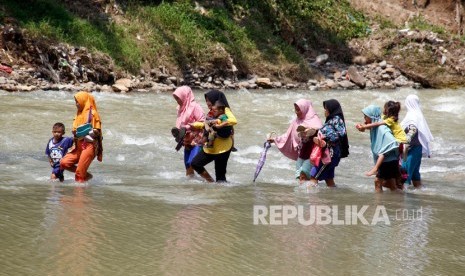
[{"x": 221, "y": 148}]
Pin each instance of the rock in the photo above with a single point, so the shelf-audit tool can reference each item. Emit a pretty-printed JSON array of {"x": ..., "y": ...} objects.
[
  {"x": 173, "y": 79},
  {"x": 388, "y": 85},
  {"x": 312, "y": 82},
  {"x": 385, "y": 76},
  {"x": 321, "y": 59},
  {"x": 125, "y": 82},
  {"x": 243, "y": 84},
  {"x": 443, "y": 59},
  {"x": 355, "y": 77},
  {"x": 264, "y": 83},
  {"x": 390, "y": 70},
  {"x": 253, "y": 86},
  {"x": 120, "y": 88},
  {"x": 277, "y": 84},
  {"x": 383, "y": 64},
  {"x": 331, "y": 84},
  {"x": 360, "y": 60},
  {"x": 401, "y": 81},
  {"x": 346, "y": 84},
  {"x": 25, "y": 88}
]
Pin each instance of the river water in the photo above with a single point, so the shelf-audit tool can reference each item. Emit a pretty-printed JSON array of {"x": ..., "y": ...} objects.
[{"x": 139, "y": 215}]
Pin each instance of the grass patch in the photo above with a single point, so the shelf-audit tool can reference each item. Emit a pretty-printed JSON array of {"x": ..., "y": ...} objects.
[
  {"x": 254, "y": 34},
  {"x": 420, "y": 23}
]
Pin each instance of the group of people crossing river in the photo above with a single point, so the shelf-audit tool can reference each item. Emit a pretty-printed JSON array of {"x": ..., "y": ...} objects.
[{"x": 316, "y": 146}]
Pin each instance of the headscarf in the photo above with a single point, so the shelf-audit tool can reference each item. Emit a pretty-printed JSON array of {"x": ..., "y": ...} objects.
[
  {"x": 87, "y": 102},
  {"x": 288, "y": 142},
  {"x": 215, "y": 95},
  {"x": 190, "y": 111},
  {"x": 415, "y": 116},
  {"x": 382, "y": 140},
  {"x": 334, "y": 108}
]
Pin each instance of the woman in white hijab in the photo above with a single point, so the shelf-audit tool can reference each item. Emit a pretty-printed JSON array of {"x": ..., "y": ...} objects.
[{"x": 419, "y": 138}]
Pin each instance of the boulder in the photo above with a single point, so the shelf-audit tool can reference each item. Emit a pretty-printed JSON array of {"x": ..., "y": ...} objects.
[
  {"x": 355, "y": 77},
  {"x": 264, "y": 83},
  {"x": 119, "y": 88},
  {"x": 125, "y": 82}
]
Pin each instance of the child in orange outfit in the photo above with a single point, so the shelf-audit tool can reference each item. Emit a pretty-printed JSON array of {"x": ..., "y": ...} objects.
[{"x": 86, "y": 148}]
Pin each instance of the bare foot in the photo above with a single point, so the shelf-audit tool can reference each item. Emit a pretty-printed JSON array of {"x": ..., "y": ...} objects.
[
  {"x": 371, "y": 172},
  {"x": 312, "y": 184}
]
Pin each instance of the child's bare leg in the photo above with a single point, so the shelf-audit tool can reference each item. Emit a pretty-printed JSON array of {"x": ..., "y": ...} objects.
[
  {"x": 374, "y": 170},
  {"x": 416, "y": 183},
  {"x": 303, "y": 177},
  {"x": 53, "y": 177}
]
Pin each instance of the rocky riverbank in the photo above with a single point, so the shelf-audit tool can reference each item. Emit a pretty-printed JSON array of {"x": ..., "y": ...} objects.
[{"x": 29, "y": 65}]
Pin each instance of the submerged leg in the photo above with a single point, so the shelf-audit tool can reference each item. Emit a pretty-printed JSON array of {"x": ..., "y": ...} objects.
[
  {"x": 205, "y": 175},
  {"x": 378, "y": 185}
]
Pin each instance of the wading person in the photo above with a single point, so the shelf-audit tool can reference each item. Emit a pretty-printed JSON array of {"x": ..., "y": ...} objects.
[
  {"x": 189, "y": 112},
  {"x": 383, "y": 142},
  {"x": 221, "y": 148},
  {"x": 87, "y": 130},
  {"x": 334, "y": 135},
  {"x": 419, "y": 138},
  {"x": 297, "y": 142}
]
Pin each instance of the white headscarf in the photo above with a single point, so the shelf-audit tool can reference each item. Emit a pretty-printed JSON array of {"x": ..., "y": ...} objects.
[{"x": 415, "y": 117}]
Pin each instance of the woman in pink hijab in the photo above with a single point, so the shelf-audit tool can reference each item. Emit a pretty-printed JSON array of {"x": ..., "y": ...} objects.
[
  {"x": 189, "y": 111},
  {"x": 294, "y": 144}
]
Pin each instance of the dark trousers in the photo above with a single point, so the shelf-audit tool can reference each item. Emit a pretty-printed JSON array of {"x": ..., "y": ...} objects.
[{"x": 221, "y": 162}]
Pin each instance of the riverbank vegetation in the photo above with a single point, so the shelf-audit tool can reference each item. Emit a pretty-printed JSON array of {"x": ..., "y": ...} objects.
[
  {"x": 266, "y": 37},
  {"x": 211, "y": 43}
]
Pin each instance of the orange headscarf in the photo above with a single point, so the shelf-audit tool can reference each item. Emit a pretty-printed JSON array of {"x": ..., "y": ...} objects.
[{"x": 87, "y": 101}]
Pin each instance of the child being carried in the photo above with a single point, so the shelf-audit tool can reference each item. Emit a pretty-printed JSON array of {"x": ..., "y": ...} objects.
[
  {"x": 216, "y": 126},
  {"x": 390, "y": 119}
]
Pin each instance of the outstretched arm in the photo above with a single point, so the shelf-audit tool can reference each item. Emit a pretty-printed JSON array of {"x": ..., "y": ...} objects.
[{"x": 362, "y": 127}]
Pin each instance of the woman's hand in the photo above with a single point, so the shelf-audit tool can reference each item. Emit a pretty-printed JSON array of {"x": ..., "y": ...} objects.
[{"x": 319, "y": 142}]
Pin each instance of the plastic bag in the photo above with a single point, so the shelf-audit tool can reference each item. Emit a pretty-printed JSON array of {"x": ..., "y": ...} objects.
[{"x": 320, "y": 154}]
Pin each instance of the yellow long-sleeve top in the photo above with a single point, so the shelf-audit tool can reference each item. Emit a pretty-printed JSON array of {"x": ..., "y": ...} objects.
[
  {"x": 396, "y": 129},
  {"x": 220, "y": 145}
]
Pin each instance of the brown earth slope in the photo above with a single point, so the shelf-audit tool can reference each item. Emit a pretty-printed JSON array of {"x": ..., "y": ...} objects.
[{"x": 434, "y": 60}]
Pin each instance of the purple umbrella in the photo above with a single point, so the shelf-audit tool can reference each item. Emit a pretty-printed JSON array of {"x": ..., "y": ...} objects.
[{"x": 262, "y": 159}]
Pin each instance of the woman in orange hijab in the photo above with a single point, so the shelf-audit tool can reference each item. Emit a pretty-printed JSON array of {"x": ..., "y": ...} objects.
[{"x": 88, "y": 145}]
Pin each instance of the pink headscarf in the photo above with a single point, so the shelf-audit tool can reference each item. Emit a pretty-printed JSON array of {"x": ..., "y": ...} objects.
[
  {"x": 288, "y": 142},
  {"x": 190, "y": 111}
]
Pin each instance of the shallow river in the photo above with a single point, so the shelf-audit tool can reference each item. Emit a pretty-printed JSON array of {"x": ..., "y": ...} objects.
[{"x": 139, "y": 215}]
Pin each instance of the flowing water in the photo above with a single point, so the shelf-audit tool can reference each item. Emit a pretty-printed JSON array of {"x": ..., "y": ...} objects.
[{"x": 139, "y": 215}]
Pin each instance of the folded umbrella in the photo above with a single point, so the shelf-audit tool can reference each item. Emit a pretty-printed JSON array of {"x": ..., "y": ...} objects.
[{"x": 262, "y": 159}]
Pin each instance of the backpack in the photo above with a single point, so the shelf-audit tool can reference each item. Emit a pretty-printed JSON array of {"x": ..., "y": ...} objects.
[{"x": 344, "y": 146}]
